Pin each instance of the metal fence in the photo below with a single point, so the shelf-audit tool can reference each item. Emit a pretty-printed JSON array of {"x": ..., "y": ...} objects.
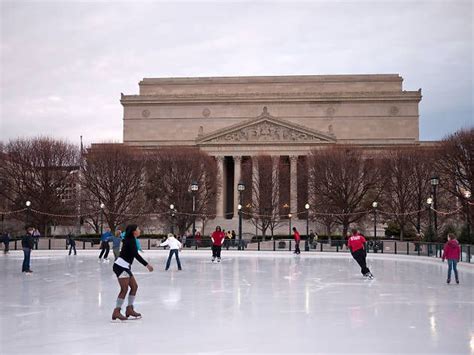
[{"x": 285, "y": 245}]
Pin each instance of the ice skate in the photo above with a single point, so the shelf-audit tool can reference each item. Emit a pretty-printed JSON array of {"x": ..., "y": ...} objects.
[
  {"x": 117, "y": 316},
  {"x": 448, "y": 281},
  {"x": 130, "y": 312},
  {"x": 370, "y": 276},
  {"x": 213, "y": 259},
  {"x": 218, "y": 260},
  {"x": 457, "y": 281}
]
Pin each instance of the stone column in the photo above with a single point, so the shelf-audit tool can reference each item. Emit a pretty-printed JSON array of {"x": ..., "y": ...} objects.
[
  {"x": 220, "y": 186},
  {"x": 255, "y": 182},
  {"x": 276, "y": 184},
  {"x": 310, "y": 180},
  {"x": 237, "y": 175},
  {"x": 293, "y": 184}
]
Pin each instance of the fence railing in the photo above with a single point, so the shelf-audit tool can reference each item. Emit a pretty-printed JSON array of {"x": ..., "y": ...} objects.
[{"x": 380, "y": 246}]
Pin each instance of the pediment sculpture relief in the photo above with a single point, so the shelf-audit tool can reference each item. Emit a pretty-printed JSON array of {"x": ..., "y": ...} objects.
[{"x": 266, "y": 132}]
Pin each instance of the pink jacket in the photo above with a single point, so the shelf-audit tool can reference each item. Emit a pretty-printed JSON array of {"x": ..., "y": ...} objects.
[{"x": 452, "y": 250}]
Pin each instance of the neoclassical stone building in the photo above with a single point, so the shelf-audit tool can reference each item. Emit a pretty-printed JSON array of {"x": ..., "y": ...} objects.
[{"x": 235, "y": 118}]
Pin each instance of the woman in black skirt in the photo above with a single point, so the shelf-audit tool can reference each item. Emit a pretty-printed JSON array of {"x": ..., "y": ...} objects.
[{"x": 122, "y": 268}]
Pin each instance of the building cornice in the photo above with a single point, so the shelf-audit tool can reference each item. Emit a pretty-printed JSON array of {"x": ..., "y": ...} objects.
[
  {"x": 273, "y": 79},
  {"x": 254, "y": 97}
]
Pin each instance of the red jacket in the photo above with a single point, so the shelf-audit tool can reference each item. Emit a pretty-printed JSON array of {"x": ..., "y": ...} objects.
[
  {"x": 356, "y": 242},
  {"x": 452, "y": 250},
  {"x": 297, "y": 237},
  {"x": 217, "y": 238}
]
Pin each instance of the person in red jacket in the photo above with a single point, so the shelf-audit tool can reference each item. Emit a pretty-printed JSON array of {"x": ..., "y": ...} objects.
[
  {"x": 297, "y": 237},
  {"x": 217, "y": 238},
  {"x": 452, "y": 252},
  {"x": 356, "y": 244}
]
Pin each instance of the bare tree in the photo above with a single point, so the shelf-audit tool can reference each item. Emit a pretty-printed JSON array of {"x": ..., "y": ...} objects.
[
  {"x": 264, "y": 208},
  {"x": 400, "y": 186},
  {"x": 455, "y": 164},
  {"x": 170, "y": 172},
  {"x": 113, "y": 175},
  {"x": 343, "y": 182},
  {"x": 38, "y": 170}
]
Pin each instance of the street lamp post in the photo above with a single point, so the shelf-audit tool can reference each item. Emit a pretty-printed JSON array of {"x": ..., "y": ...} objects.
[
  {"x": 28, "y": 211},
  {"x": 194, "y": 189},
  {"x": 289, "y": 221},
  {"x": 241, "y": 189},
  {"x": 172, "y": 214},
  {"x": 434, "y": 205},
  {"x": 467, "y": 195},
  {"x": 77, "y": 173},
  {"x": 429, "y": 201},
  {"x": 306, "y": 244},
  {"x": 374, "y": 206},
  {"x": 102, "y": 206}
]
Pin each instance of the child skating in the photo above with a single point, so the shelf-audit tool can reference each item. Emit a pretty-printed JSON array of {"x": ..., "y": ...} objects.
[
  {"x": 356, "y": 245},
  {"x": 452, "y": 252},
  {"x": 123, "y": 269},
  {"x": 175, "y": 247},
  {"x": 217, "y": 238},
  {"x": 297, "y": 237}
]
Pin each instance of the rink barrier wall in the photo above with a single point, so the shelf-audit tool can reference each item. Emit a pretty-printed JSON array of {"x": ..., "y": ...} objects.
[{"x": 434, "y": 250}]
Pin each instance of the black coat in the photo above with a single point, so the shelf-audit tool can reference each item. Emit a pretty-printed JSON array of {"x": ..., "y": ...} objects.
[{"x": 27, "y": 241}]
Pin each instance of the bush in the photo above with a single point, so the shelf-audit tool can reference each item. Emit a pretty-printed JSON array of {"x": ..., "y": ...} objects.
[
  {"x": 464, "y": 236},
  {"x": 392, "y": 229}
]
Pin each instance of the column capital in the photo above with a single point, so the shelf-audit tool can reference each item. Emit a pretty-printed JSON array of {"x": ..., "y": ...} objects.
[
  {"x": 237, "y": 158},
  {"x": 219, "y": 158},
  {"x": 293, "y": 158}
]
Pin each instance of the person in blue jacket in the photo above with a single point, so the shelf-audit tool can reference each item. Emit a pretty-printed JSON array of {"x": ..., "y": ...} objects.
[
  {"x": 116, "y": 241},
  {"x": 104, "y": 244}
]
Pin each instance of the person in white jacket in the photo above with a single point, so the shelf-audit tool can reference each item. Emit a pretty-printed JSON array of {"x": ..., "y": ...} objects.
[{"x": 175, "y": 247}]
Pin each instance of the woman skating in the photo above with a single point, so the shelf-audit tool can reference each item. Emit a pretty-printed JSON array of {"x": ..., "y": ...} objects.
[
  {"x": 175, "y": 246},
  {"x": 452, "y": 252},
  {"x": 122, "y": 268}
]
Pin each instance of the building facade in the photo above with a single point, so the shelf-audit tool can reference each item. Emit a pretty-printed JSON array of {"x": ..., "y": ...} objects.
[{"x": 236, "y": 118}]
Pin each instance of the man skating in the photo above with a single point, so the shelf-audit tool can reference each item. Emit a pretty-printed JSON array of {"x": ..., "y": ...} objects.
[
  {"x": 356, "y": 245},
  {"x": 217, "y": 238}
]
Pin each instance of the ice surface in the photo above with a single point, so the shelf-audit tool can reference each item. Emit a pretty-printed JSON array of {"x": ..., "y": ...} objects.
[{"x": 267, "y": 302}]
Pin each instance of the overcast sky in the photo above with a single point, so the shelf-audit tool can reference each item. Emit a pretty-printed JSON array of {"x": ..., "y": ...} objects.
[{"x": 64, "y": 63}]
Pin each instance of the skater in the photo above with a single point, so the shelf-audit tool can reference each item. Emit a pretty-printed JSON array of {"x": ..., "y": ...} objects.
[
  {"x": 234, "y": 237},
  {"x": 6, "y": 242},
  {"x": 452, "y": 252},
  {"x": 217, "y": 238},
  {"x": 198, "y": 237},
  {"x": 27, "y": 243},
  {"x": 175, "y": 247},
  {"x": 116, "y": 240},
  {"x": 72, "y": 243},
  {"x": 297, "y": 237},
  {"x": 122, "y": 268},
  {"x": 185, "y": 239},
  {"x": 36, "y": 236},
  {"x": 104, "y": 244},
  {"x": 356, "y": 245},
  {"x": 228, "y": 239}
]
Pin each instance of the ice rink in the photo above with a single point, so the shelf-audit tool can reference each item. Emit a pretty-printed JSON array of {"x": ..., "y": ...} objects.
[{"x": 252, "y": 302}]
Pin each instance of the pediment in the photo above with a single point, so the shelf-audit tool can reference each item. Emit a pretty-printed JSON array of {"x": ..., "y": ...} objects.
[{"x": 266, "y": 129}]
